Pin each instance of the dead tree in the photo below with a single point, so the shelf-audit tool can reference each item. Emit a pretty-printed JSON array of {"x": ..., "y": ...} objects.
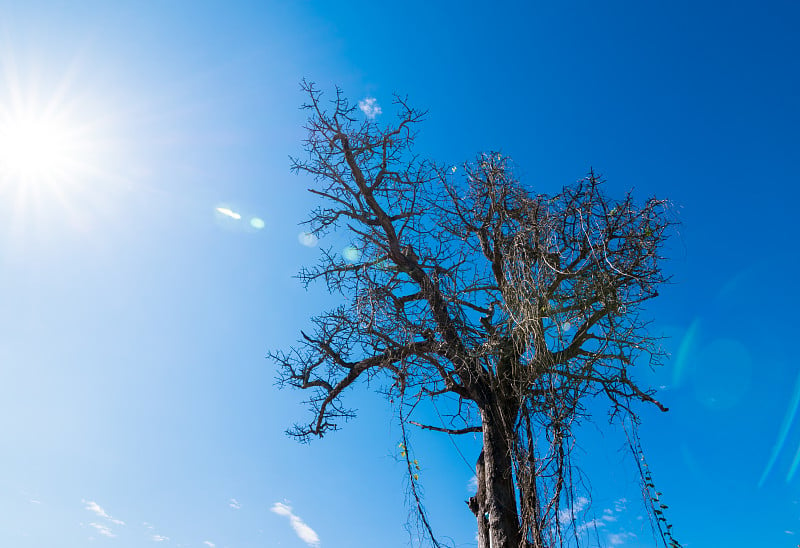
[{"x": 519, "y": 307}]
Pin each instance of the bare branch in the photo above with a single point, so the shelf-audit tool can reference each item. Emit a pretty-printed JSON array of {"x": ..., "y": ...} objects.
[
  {"x": 458, "y": 431},
  {"x": 520, "y": 305}
]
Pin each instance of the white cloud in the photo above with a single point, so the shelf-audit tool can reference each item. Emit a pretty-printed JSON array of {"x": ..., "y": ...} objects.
[
  {"x": 369, "y": 106},
  {"x": 616, "y": 539},
  {"x": 103, "y": 530},
  {"x": 578, "y": 505},
  {"x": 209, "y": 543},
  {"x": 472, "y": 484},
  {"x": 608, "y": 515},
  {"x": 235, "y": 504},
  {"x": 591, "y": 524},
  {"x": 789, "y": 532},
  {"x": 306, "y": 533},
  {"x": 154, "y": 537},
  {"x": 94, "y": 507}
]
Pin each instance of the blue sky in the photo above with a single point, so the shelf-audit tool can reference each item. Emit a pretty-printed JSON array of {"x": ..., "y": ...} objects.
[{"x": 136, "y": 405}]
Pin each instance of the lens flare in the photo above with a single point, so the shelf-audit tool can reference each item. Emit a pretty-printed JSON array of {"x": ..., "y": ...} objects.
[
  {"x": 788, "y": 420},
  {"x": 688, "y": 344},
  {"x": 351, "y": 254},
  {"x": 228, "y": 213},
  {"x": 721, "y": 374},
  {"x": 307, "y": 239}
]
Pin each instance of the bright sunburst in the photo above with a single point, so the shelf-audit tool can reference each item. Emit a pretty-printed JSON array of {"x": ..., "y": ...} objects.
[
  {"x": 51, "y": 135},
  {"x": 35, "y": 147}
]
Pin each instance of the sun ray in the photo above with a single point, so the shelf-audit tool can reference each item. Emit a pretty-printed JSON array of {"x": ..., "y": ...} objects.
[{"x": 54, "y": 147}]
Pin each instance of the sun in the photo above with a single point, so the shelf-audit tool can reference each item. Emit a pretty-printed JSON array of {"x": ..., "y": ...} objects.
[
  {"x": 58, "y": 153},
  {"x": 50, "y": 124},
  {"x": 35, "y": 148},
  {"x": 56, "y": 140}
]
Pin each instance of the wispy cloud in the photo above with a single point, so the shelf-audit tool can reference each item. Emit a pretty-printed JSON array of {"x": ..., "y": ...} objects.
[
  {"x": 209, "y": 544},
  {"x": 306, "y": 533},
  {"x": 591, "y": 524},
  {"x": 472, "y": 484},
  {"x": 568, "y": 514},
  {"x": 616, "y": 539},
  {"x": 94, "y": 507},
  {"x": 103, "y": 530},
  {"x": 608, "y": 515},
  {"x": 369, "y": 106},
  {"x": 159, "y": 538},
  {"x": 235, "y": 504}
]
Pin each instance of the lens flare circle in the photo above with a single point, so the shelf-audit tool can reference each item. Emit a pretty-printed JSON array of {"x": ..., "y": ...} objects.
[
  {"x": 351, "y": 254},
  {"x": 307, "y": 239},
  {"x": 722, "y": 374}
]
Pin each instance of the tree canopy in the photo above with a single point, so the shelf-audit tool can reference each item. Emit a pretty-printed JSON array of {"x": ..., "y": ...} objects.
[{"x": 465, "y": 285}]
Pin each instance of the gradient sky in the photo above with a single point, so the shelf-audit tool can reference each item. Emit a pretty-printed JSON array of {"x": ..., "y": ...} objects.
[{"x": 136, "y": 405}]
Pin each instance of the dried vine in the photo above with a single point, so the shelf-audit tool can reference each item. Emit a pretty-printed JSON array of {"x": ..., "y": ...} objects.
[{"x": 511, "y": 307}]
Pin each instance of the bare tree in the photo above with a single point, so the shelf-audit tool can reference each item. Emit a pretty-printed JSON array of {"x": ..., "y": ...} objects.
[{"x": 515, "y": 308}]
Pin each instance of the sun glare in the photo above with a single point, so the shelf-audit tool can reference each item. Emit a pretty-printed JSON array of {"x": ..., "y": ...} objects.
[
  {"x": 48, "y": 128},
  {"x": 58, "y": 158},
  {"x": 55, "y": 149},
  {"x": 34, "y": 148}
]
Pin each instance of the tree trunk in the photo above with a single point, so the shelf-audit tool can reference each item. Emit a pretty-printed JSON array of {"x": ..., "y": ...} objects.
[
  {"x": 500, "y": 496},
  {"x": 478, "y": 504}
]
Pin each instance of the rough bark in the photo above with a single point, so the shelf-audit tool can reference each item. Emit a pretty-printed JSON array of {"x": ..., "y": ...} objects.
[
  {"x": 478, "y": 503},
  {"x": 501, "y": 503}
]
